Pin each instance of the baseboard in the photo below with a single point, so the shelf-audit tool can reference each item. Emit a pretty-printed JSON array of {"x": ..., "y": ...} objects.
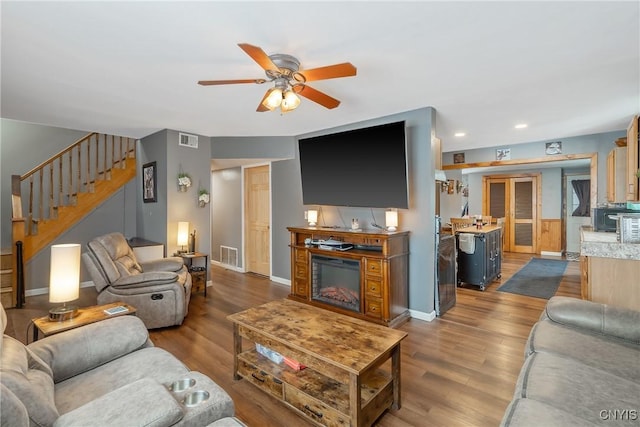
[
  {"x": 43, "y": 291},
  {"x": 421, "y": 315},
  {"x": 549, "y": 253},
  {"x": 281, "y": 281},
  {"x": 228, "y": 267}
]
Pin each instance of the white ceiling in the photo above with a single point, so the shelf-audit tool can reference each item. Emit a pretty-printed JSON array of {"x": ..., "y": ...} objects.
[{"x": 130, "y": 68}]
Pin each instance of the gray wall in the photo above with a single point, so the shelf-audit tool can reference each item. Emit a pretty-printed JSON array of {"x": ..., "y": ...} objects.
[
  {"x": 226, "y": 205},
  {"x": 552, "y": 177},
  {"x": 249, "y": 147},
  {"x": 288, "y": 210},
  {"x": 151, "y": 218},
  {"x": 159, "y": 221}
]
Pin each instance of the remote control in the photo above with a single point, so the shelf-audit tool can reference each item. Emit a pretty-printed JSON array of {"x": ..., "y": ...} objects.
[{"x": 116, "y": 310}]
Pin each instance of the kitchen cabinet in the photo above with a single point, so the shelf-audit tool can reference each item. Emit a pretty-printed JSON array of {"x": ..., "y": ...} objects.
[
  {"x": 617, "y": 175},
  {"x": 609, "y": 270},
  {"x": 633, "y": 160}
]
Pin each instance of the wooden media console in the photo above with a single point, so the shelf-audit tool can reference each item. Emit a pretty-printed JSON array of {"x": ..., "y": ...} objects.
[{"x": 376, "y": 269}]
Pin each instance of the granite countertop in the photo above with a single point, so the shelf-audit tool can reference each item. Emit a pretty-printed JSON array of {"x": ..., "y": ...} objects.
[{"x": 605, "y": 245}]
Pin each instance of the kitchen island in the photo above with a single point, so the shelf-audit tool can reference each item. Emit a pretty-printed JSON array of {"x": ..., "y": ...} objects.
[{"x": 610, "y": 271}]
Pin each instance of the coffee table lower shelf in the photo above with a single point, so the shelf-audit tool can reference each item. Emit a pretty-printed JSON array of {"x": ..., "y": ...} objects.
[{"x": 316, "y": 396}]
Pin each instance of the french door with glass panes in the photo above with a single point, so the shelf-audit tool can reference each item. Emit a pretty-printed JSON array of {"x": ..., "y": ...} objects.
[{"x": 516, "y": 198}]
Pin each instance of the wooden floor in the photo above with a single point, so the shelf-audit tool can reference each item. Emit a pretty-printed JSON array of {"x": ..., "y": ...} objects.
[{"x": 458, "y": 370}]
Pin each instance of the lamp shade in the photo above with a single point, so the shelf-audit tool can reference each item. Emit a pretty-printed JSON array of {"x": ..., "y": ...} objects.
[
  {"x": 274, "y": 99},
  {"x": 312, "y": 216},
  {"x": 64, "y": 280},
  {"x": 290, "y": 102},
  {"x": 391, "y": 219},
  {"x": 183, "y": 233}
]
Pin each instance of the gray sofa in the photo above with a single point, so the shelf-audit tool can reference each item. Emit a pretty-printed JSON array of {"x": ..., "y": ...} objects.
[
  {"x": 582, "y": 368},
  {"x": 104, "y": 374}
]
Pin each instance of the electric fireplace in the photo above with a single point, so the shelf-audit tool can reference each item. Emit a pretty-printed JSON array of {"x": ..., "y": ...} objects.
[{"x": 336, "y": 281}]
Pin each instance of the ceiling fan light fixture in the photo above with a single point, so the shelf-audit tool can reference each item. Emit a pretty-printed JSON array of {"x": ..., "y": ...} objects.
[
  {"x": 290, "y": 101},
  {"x": 274, "y": 99}
]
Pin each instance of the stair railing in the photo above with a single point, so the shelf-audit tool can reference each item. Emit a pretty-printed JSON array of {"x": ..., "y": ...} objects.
[{"x": 58, "y": 181}]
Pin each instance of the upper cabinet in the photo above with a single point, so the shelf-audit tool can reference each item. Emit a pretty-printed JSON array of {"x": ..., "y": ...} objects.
[
  {"x": 617, "y": 175},
  {"x": 633, "y": 162}
]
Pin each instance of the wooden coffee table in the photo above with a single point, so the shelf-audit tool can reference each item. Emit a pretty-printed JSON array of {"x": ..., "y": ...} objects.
[
  {"x": 353, "y": 366},
  {"x": 86, "y": 315}
]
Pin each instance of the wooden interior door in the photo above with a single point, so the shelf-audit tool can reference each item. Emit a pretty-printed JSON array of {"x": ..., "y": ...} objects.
[
  {"x": 515, "y": 197},
  {"x": 257, "y": 220},
  {"x": 496, "y": 203}
]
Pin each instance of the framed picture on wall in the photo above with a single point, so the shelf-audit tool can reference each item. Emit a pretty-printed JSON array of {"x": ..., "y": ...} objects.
[
  {"x": 551, "y": 148},
  {"x": 458, "y": 158},
  {"x": 149, "y": 189},
  {"x": 503, "y": 154}
]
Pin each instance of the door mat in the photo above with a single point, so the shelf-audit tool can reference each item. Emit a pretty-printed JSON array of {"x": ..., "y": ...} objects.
[{"x": 540, "y": 278}]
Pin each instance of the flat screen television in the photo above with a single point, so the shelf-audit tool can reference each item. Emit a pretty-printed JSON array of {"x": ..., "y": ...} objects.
[{"x": 362, "y": 168}]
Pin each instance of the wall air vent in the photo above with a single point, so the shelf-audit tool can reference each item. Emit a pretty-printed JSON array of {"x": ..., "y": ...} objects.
[
  {"x": 229, "y": 256},
  {"x": 186, "y": 140}
]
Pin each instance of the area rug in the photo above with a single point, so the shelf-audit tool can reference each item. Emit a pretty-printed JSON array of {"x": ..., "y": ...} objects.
[{"x": 540, "y": 278}]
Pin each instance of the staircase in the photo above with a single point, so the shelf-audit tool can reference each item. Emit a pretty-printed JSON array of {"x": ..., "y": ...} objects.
[{"x": 61, "y": 191}]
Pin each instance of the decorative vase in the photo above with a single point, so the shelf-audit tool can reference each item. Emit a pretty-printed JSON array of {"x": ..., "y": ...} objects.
[
  {"x": 201, "y": 203},
  {"x": 183, "y": 188}
]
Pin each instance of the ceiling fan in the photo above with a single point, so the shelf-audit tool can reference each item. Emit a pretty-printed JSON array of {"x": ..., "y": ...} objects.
[{"x": 289, "y": 80}]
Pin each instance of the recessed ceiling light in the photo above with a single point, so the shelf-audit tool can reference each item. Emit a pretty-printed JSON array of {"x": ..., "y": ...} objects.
[
  {"x": 459, "y": 134},
  {"x": 521, "y": 126}
]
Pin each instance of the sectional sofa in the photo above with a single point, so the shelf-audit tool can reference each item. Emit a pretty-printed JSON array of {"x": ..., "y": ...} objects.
[
  {"x": 582, "y": 368},
  {"x": 104, "y": 374}
]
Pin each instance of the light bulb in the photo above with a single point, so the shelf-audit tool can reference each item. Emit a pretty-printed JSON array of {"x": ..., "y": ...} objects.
[
  {"x": 274, "y": 99},
  {"x": 290, "y": 101}
]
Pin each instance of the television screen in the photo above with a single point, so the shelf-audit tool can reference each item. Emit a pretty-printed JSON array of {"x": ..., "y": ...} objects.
[{"x": 361, "y": 168}]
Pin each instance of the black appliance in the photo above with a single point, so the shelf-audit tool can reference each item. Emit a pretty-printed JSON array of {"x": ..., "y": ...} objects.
[
  {"x": 446, "y": 283},
  {"x": 604, "y": 218}
]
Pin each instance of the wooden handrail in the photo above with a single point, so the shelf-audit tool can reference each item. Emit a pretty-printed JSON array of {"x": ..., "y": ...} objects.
[
  {"x": 78, "y": 168},
  {"x": 54, "y": 157}
]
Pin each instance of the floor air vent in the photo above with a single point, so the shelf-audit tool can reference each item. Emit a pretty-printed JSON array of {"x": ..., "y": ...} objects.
[{"x": 229, "y": 256}]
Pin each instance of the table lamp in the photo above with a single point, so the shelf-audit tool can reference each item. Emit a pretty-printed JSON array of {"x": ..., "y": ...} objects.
[
  {"x": 391, "y": 219},
  {"x": 183, "y": 235},
  {"x": 312, "y": 217},
  {"x": 64, "y": 280}
]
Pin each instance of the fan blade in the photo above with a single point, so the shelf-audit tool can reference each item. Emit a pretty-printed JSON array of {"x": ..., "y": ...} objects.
[
  {"x": 316, "y": 96},
  {"x": 229, "y": 82},
  {"x": 345, "y": 69},
  {"x": 261, "y": 108},
  {"x": 258, "y": 55}
]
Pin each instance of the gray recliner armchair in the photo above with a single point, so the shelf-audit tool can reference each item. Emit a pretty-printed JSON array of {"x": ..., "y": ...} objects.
[{"x": 160, "y": 289}]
